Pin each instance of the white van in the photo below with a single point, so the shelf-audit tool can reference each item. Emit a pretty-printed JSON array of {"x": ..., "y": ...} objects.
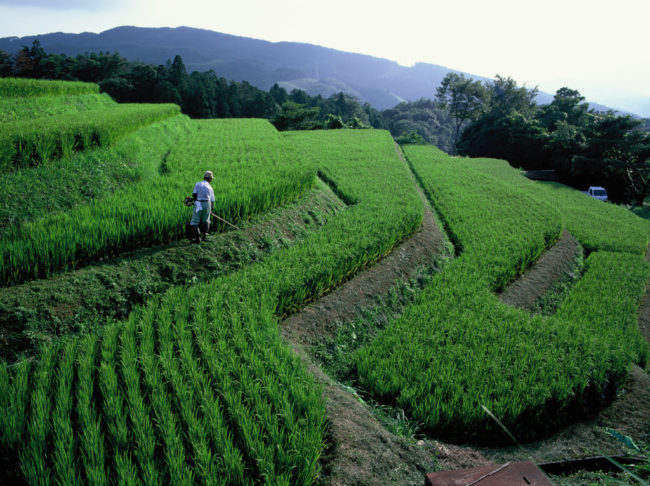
[{"x": 597, "y": 192}]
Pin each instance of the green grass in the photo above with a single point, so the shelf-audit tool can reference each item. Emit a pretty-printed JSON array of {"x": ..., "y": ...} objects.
[
  {"x": 597, "y": 225},
  {"x": 21, "y": 109},
  {"x": 83, "y": 301},
  {"x": 254, "y": 171},
  {"x": 28, "y": 143},
  {"x": 86, "y": 176},
  {"x": 25, "y": 88}
]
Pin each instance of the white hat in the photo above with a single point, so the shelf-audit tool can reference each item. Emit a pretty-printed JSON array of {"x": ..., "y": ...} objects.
[{"x": 208, "y": 175}]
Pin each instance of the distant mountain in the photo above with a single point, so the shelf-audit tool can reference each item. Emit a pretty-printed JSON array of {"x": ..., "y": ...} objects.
[
  {"x": 317, "y": 70},
  {"x": 314, "y": 69}
]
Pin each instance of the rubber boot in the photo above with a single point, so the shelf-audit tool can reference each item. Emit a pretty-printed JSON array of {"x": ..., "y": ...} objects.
[
  {"x": 205, "y": 230},
  {"x": 197, "y": 234}
]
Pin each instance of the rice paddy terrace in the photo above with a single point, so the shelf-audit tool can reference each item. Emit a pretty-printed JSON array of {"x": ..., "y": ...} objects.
[{"x": 130, "y": 356}]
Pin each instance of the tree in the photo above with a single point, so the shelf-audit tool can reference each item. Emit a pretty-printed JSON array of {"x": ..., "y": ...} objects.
[
  {"x": 515, "y": 137},
  {"x": 616, "y": 143},
  {"x": 29, "y": 61},
  {"x": 507, "y": 98},
  {"x": 423, "y": 117},
  {"x": 177, "y": 72},
  {"x": 297, "y": 117},
  {"x": 567, "y": 106},
  {"x": 6, "y": 64},
  {"x": 119, "y": 88},
  {"x": 465, "y": 99},
  {"x": 279, "y": 94},
  {"x": 508, "y": 129}
]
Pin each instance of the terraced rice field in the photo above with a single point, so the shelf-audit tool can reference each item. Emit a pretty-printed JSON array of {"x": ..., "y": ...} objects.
[{"x": 196, "y": 384}]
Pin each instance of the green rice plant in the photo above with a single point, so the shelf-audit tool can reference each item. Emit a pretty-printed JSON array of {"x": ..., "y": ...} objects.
[
  {"x": 23, "y": 87},
  {"x": 21, "y": 108},
  {"x": 84, "y": 176},
  {"x": 92, "y": 444},
  {"x": 205, "y": 462},
  {"x": 142, "y": 431},
  {"x": 230, "y": 466},
  {"x": 167, "y": 424},
  {"x": 34, "y": 464},
  {"x": 65, "y": 470},
  {"x": 458, "y": 349},
  {"x": 114, "y": 408},
  {"x": 598, "y": 225},
  {"x": 41, "y": 140},
  {"x": 14, "y": 397},
  {"x": 210, "y": 391},
  {"x": 255, "y": 170}
]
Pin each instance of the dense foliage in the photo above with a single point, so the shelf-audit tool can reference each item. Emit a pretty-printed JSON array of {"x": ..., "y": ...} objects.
[
  {"x": 421, "y": 121},
  {"x": 458, "y": 348},
  {"x": 199, "y": 94},
  {"x": 41, "y": 140},
  {"x": 585, "y": 147}
]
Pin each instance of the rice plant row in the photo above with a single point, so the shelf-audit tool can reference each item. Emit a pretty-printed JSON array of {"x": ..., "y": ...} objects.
[
  {"x": 254, "y": 170},
  {"x": 598, "y": 226},
  {"x": 91, "y": 175},
  {"x": 32, "y": 142},
  {"x": 21, "y": 87},
  {"x": 198, "y": 387},
  {"x": 458, "y": 348},
  {"x": 170, "y": 397},
  {"x": 21, "y": 109}
]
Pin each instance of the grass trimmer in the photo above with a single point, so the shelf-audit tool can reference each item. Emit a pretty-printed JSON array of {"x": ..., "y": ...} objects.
[
  {"x": 189, "y": 202},
  {"x": 221, "y": 219}
]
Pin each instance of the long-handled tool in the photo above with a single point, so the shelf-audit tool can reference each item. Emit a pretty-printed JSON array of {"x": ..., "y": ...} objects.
[
  {"x": 189, "y": 202},
  {"x": 221, "y": 219}
]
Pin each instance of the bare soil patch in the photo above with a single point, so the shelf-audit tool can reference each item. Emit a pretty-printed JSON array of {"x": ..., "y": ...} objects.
[{"x": 553, "y": 265}]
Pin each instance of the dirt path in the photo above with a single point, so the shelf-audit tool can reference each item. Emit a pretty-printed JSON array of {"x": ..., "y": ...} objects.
[{"x": 552, "y": 266}]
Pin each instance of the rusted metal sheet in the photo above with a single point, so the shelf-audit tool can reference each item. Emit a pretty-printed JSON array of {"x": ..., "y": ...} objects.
[{"x": 509, "y": 474}]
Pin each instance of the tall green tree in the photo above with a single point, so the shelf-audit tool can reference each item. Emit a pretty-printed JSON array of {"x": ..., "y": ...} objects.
[
  {"x": 279, "y": 94},
  {"x": 6, "y": 64},
  {"x": 465, "y": 98},
  {"x": 29, "y": 61},
  {"x": 506, "y": 98},
  {"x": 508, "y": 128},
  {"x": 618, "y": 149}
]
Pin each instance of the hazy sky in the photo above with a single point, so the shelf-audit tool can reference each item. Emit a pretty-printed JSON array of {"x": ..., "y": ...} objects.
[{"x": 601, "y": 48}]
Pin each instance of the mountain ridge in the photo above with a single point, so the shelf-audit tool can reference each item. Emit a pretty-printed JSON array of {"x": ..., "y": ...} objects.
[{"x": 380, "y": 82}]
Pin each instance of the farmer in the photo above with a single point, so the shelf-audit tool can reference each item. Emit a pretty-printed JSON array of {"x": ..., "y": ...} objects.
[{"x": 203, "y": 196}]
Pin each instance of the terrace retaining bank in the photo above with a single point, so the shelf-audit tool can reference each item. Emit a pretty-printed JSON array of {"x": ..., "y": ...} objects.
[{"x": 551, "y": 267}]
